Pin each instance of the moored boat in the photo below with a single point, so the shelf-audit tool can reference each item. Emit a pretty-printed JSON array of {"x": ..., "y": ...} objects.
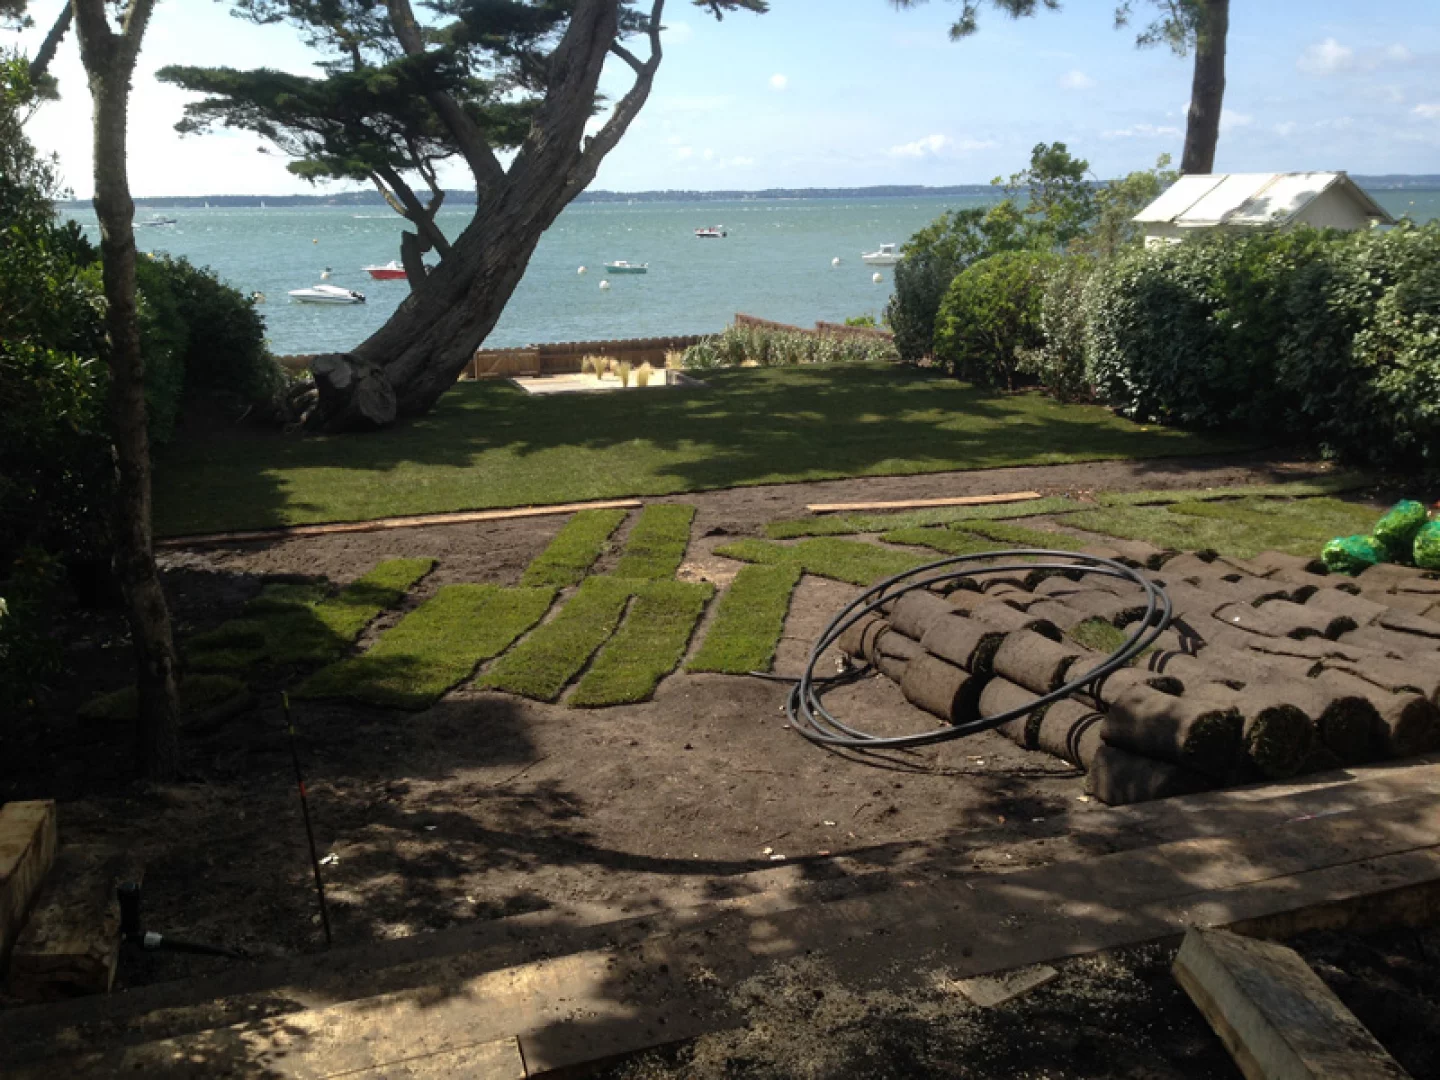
[
  {"x": 714, "y": 232},
  {"x": 391, "y": 271},
  {"x": 620, "y": 266},
  {"x": 327, "y": 294},
  {"x": 885, "y": 256}
]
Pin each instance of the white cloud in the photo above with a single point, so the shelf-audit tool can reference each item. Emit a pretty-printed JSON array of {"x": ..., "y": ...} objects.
[
  {"x": 1399, "y": 54},
  {"x": 685, "y": 152},
  {"x": 708, "y": 155},
  {"x": 1229, "y": 119},
  {"x": 678, "y": 33},
  {"x": 778, "y": 82},
  {"x": 1286, "y": 128},
  {"x": 739, "y": 162},
  {"x": 1328, "y": 57},
  {"x": 1428, "y": 111},
  {"x": 1142, "y": 131},
  {"x": 926, "y": 147},
  {"x": 1076, "y": 80}
]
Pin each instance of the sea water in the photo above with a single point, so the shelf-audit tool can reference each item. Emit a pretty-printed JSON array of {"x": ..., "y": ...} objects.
[{"x": 774, "y": 262}]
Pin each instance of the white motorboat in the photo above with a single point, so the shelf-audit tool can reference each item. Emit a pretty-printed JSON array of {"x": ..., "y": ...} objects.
[
  {"x": 713, "y": 232},
  {"x": 327, "y": 294},
  {"x": 620, "y": 266},
  {"x": 885, "y": 256}
]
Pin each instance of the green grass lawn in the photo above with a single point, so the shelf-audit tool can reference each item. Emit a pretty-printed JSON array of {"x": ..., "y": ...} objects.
[{"x": 489, "y": 444}]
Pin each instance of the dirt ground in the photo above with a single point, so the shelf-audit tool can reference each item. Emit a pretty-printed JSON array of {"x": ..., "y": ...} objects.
[{"x": 488, "y": 805}]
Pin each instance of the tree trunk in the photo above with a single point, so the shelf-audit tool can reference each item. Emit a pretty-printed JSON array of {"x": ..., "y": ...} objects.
[
  {"x": 109, "y": 63},
  {"x": 1207, "y": 90}
]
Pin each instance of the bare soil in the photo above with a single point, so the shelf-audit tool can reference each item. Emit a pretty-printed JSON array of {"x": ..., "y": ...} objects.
[{"x": 488, "y": 805}]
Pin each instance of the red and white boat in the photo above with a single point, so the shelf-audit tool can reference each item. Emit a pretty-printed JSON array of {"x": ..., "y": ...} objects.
[
  {"x": 391, "y": 271},
  {"x": 714, "y": 232}
]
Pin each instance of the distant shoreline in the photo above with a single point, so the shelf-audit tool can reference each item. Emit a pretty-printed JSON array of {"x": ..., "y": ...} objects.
[{"x": 373, "y": 198}]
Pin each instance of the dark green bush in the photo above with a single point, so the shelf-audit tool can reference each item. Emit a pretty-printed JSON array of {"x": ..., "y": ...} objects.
[
  {"x": 1330, "y": 337},
  {"x": 1059, "y": 363},
  {"x": 990, "y": 317}
]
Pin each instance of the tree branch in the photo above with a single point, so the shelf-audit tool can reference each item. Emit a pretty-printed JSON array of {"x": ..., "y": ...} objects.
[
  {"x": 625, "y": 110},
  {"x": 41, "y": 64},
  {"x": 478, "y": 153},
  {"x": 626, "y": 55}
]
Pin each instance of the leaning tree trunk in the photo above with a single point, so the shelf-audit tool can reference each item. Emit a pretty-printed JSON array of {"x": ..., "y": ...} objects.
[
  {"x": 404, "y": 367},
  {"x": 1207, "y": 90},
  {"x": 110, "y": 62}
]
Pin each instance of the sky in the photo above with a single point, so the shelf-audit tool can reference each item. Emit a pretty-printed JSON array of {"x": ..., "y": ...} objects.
[{"x": 847, "y": 93}]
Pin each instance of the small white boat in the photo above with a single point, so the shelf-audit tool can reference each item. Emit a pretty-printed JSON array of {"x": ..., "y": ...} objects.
[
  {"x": 620, "y": 266},
  {"x": 885, "y": 256},
  {"x": 157, "y": 220},
  {"x": 327, "y": 294},
  {"x": 714, "y": 232}
]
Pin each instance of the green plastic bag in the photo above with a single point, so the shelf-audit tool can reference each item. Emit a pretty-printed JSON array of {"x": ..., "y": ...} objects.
[
  {"x": 1351, "y": 554},
  {"x": 1397, "y": 529},
  {"x": 1427, "y": 546}
]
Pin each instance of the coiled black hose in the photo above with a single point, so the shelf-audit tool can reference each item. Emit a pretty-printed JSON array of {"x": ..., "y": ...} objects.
[{"x": 809, "y": 716}]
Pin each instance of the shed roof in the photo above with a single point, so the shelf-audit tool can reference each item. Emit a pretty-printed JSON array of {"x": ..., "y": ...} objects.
[{"x": 1198, "y": 201}]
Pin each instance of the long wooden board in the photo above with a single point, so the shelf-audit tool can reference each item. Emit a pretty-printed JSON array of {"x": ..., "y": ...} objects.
[
  {"x": 1276, "y": 1017},
  {"x": 27, "y": 850},
  {"x": 924, "y": 504},
  {"x": 461, "y": 517}
]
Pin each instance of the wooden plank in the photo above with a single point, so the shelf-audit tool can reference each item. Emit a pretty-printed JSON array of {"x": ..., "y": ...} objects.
[
  {"x": 463, "y": 517},
  {"x": 71, "y": 944},
  {"x": 498, "y": 1060},
  {"x": 987, "y": 991},
  {"x": 27, "y": 850},
  {"x": 1276, "y": 1017},
  {"x": 921, "y": 504}
]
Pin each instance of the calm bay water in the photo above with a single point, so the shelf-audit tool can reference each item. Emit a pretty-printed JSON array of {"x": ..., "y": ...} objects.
[{"x": 775, "y": 263}]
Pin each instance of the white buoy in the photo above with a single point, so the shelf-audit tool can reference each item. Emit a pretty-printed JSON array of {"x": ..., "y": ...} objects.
[
  {"x": 316, "y": 240},
  {"x": 581, "y": 270},
  {"x": 876, "y": 278},
  {"x": 835, "y": 261},
  {"x": 605, "y": 285},
  {"x": 325, "y": 274}
]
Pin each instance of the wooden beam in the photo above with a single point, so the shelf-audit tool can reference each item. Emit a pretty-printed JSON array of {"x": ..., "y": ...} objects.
[
  {"x": 922, "y": 504},
  {"x": 27, "y": 850},
  {"x": 71, "y": 944},
  {"x": 462, "y": 517},
  {"x": 1276, "y": 1017}
]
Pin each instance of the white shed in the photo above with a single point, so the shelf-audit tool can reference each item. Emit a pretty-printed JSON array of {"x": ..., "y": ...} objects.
[{"x": 1325, "y": 200}]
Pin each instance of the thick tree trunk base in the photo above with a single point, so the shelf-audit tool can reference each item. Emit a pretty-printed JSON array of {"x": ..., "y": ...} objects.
[{"x": 352, "y": 395}]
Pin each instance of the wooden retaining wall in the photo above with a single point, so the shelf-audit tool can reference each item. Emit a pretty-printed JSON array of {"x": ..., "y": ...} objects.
[
  {"x": 827, "y": 328},
  {"x": 564, "y": 356}
]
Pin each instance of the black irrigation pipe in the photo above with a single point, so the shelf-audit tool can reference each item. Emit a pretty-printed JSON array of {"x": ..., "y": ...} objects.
[{"x": 808, "y": 715}]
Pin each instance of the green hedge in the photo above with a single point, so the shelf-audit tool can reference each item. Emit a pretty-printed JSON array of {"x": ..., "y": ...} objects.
[
  {"x": 1330, "y": 337},
  {"x": 990, "y": 317},
  {"x": 755, "y": 346}
]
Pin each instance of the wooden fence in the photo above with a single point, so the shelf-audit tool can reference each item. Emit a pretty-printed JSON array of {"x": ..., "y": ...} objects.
[{"x": 563, "y": 357}]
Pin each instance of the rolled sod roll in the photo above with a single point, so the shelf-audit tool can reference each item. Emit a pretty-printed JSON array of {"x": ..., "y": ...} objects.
[
  {"x": 1034, "y": 662},
  {"x": 1058, "y": 585},
  {"x": 858, "y": 639},
  {"x": 1070, "y": 731},
  {"x": 1275, "y": 562},
  {"x": 1117, "y": 778},
  {"x": 1196, "y": 730},
  {"x": 1308, "y": 620},
  {"x": 915, "y": 611},
  {"x": 1405, "y": 622},
  {"x": 892, "y": 667},
  {"x": 1390, "y": 643},
  {"x": 1409, "y": 723},
  {"x": 1100, "y": 604},
  {"x": 1394, "y": 675},
  {"x": 1275, "y": 734},
  {"x": 1135, "y": 553},
  {"x": 890, "y": 643},
  {"x": 1103, "y": 693},
  {"x": 942, "y": 689},
  {"x": 1018, "y": 598},
  {"x": 1248, "y": 590},
  {"x": 1187, "y": 565},
  {"x": 1343, "y": 603},
  {"x": 965, "y": 601},
  {"x": 1005, "y": 617},
  {"x": 1347, "y": 723},
  {"x": 970, "y": 643},
  {"x": 1001, "y": 696},
  {"x": 1054, "y": 611}
]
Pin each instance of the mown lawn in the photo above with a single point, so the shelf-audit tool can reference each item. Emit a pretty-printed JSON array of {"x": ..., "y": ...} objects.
[{"x": 489, "y": 445}]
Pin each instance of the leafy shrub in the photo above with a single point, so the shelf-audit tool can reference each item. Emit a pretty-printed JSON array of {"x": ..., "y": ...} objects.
[
  {"x": 755, "y": 346},
  {"x": 991, "y": 316},
  {"x": 932, "y": 259},
  {"x": 29, "y": 653},
  {"x": 1333, "y": 337},
  {"x": 1059, "y": 363}
]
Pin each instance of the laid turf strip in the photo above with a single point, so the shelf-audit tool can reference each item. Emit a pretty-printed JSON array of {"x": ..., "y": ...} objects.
[
  {"x": 197, "y": 694},
  {"x": 844, "y": 524},
  {"x": 541, "y": 665},
  {"x": 1296, "y": 489},
  {"x": 574, "y": 550},
  {"x": 657, "y": 543},
  {"x": 293, "y": 623},
  {"x": 844, "y": 560},
  {"x": 939, "y": 538},
  {"x": 648, "y": 646},
  {"x": 435, "y": 647},
  {"x": 748, "y": 623}
]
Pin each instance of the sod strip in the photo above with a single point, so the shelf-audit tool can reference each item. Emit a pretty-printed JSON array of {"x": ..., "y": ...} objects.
[
  {"x": 290, "y": 625},
  {"x": 541, "y": 665},
  {"x": 747, "y": 627},
  {"x": 1008, "y": 534},
  {"x": 657, "y": 543},
  {"x": 843, "y": 560},
  {"x": 435, "y": 647},
  {"x": 198, "y": 693},
  {"x": 648, "y": 646},
  {"x": 574, "y": 550},
  {"x": 939, "y": 538},
  {"x": 846, "y": 524},
  {"x": 1325, "y": 485},
  {"x": 1300, "y": 527}
]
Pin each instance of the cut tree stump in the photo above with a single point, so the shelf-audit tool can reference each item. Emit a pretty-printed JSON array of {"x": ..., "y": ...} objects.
[
  {"x": 1277, "y": 1017},
  {"x": 27, "y": 850},
  {"x": 71, "y": 944}
]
